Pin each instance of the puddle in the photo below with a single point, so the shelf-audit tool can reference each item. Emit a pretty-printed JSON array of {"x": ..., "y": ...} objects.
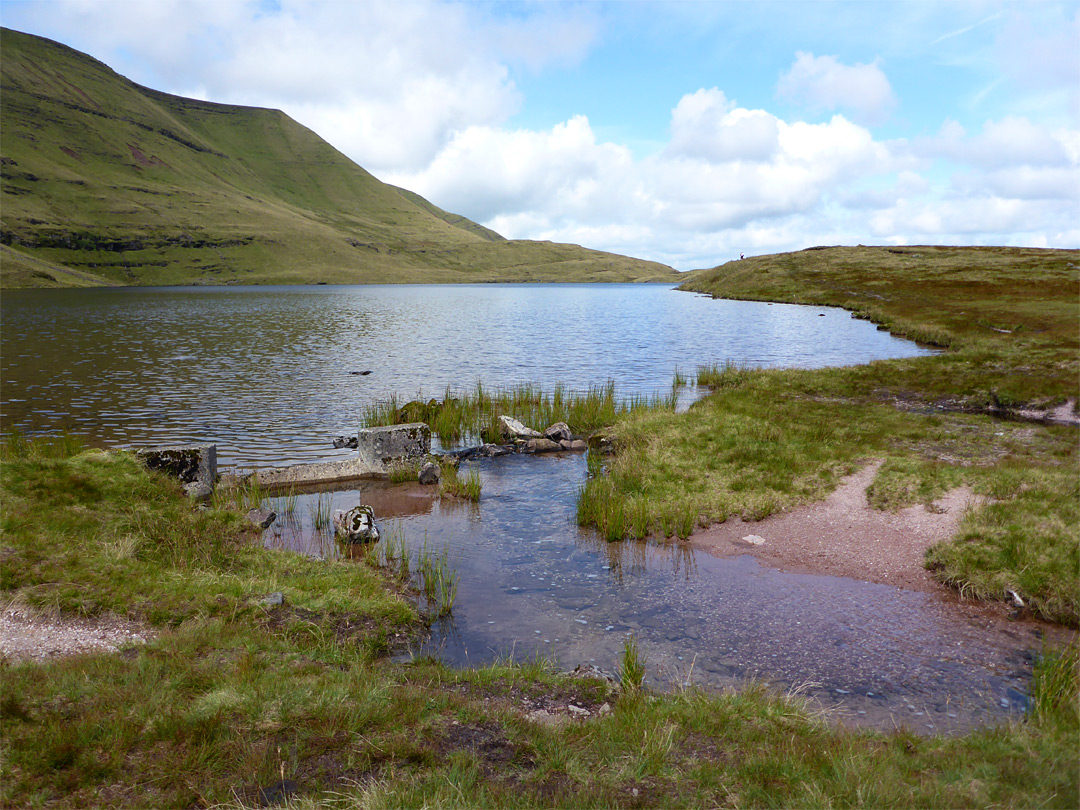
[{"x": 532, "y": 583}]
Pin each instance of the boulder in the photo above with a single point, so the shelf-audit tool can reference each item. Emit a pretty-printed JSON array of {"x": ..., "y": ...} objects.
[
  {"x": 576, "y": 445},
  {"x": 198, "y": 491},
  {"x": 261, "y": 516},
  {"x": 513, "y": 429},
  {"x": 558, "y": 432},
  {"x": 541, "y": 446},
  {"x": 490, "y": 450},
  {"x": 429, "y": 473},
  {"x": 357, "y": 525}
]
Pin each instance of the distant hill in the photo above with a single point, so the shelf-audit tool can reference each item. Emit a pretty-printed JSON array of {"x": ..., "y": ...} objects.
[{"x": 107, "y": 182}]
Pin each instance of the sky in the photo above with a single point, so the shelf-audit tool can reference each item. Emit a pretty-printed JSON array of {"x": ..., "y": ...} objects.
[{"x": 683, "y": 132}]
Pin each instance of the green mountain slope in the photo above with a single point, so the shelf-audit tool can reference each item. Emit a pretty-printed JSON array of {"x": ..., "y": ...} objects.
[{"x": 112, "y": 182}]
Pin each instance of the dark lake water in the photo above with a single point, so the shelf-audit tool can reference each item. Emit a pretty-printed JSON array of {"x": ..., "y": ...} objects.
[
  {"x": 264, "y": 372},
  {"x": 267, "y": 375}
]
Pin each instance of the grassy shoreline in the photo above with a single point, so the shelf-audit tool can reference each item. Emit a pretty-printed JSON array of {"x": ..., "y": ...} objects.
[{"x": 233, "y": 696}]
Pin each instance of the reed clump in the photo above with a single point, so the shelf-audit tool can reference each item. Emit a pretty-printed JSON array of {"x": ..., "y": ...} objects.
[{"x": 474, "y": 415}]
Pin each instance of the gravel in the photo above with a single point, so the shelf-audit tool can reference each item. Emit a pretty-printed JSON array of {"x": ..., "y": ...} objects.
[{"x": 26, "y": 634}]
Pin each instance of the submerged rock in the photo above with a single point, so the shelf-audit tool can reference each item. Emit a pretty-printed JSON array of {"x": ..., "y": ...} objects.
[
  {"x": 357, "y": 525},
  {"x": 541, "y": 446}
]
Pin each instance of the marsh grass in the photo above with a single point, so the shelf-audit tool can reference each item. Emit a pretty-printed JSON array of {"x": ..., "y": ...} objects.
[
  {"x": 474, "y": 415},
  {"x": 232, "y": 694},
  {"x": 452, "y": 483},
  {"x": 321, "y": 510},
  {"x": 632, "y": 671}
]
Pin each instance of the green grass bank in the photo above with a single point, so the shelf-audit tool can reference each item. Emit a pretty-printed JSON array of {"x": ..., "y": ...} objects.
[
  {"x": 1008, "y": 323},
  {"x": 232, "y": 695}
]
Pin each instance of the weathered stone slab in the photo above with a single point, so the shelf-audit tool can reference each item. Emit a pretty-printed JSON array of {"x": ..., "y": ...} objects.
[
  {"x": 513, "y": 429},
  {"x": 380, "y": 445},
  {"x": 326, "y": 473},
  {"x": 541, "y": 446},
  {"x": 194, "y": 464}
]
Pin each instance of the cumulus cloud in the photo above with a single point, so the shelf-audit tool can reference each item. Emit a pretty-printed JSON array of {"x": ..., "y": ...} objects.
[{"x": 823, "y": 83}]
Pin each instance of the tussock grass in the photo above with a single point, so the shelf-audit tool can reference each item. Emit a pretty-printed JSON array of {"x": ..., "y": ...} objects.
[
  {"x": 452, "y": 483},
  {"x": 233, "y": 695}
]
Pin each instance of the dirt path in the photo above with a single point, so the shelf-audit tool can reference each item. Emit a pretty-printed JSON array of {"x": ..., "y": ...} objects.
[{"x": 843, "y": 536}]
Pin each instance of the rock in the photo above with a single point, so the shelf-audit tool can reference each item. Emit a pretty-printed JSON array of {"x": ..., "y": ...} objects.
[
  {"x": 577, "y": 445},
  {"x": 359, "y": 373},
  {"x": 261, "y": 516},
  {"x": 357, "y": 525},
  {"x": 342, "y": 441},
  {"x": 604, "y": 710},
  {"x": 558, "y": 432},
  {"x": 380, "y": 445},
  {"x": 198, "y": 491},
  {"x": 541, "y": 446},
  {"x": 491, "y": 450},
  {"x": 603, "y": 441},
  {"x": 190, "y": 463},
  {"x": 429, "y": 473},
  {"x": 276, "y": 599},
  {"x": 754, "y": 540},
  {"x": 590, "y": 671},
  {"x": 578, "y": 711},
  {"x": 513, "y": 429}
]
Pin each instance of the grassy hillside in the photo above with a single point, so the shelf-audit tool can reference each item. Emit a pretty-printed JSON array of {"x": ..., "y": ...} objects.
[
  {"x": 1009, "y": 318},
  {"x": 118, "y": 182}
]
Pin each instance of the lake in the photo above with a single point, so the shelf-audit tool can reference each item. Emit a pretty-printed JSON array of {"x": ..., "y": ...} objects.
[{"x": 269, "y": 373}]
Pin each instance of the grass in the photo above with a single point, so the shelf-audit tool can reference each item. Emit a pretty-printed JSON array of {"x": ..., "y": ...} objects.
[
  {"x": 467, "y": 488},
  {"x": 474, "y": 415},
  {"x": 113, "y": 183},
  {"x": 229, "y": 695}
]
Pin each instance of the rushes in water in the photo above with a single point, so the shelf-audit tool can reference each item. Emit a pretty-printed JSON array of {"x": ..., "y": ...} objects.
[
  {"x": 679, "y": 380},
  {"x": 453, "y": 484},
  {"x": 438, "y": 580},
  {"x": 18, "y": 446},
  {"x": 321, "y": 510},
  {"x": 475, "y": 414},
  {"x": 286, "y": 503},
  {"x": 632, "y": 673}
]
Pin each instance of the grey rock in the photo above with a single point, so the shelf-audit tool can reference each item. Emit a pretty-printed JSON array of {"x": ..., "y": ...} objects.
[
  {"x": 276, "y": 599},
  {"x": 513, "y": 429},
  {"x": 345, "y": 441},
  {"x": 261, "y": 516},
  {"x": 590, "y": 671},
  {"x": 560, "y": 431},
  {"x": 490, "y": 450},
  {"x": 576, "y": 445},
  {"x": 198, "y": 491},
  {"x": 380, "y": 445},
  {"x": 754, "y": 540},
  {"x": 429, "y": 473},
  {"x": 541, "y": 446},
  {"x": 357, "y": 525}
]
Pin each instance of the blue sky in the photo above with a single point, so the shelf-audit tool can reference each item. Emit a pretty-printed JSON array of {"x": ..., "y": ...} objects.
[{"x": 685, "y": 132}]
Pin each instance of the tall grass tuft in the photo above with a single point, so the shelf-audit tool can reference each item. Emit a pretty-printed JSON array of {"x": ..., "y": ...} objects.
[
  {"x": 1055, "y": 685},
  {"x": 632, "y": 672},
  {"x": 729, "y": 375},
  {"x": 321, "y": 510},
  {"x": 467, "y": 488}
]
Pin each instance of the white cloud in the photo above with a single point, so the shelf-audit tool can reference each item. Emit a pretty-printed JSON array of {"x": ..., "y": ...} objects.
[{"x": 823, "y": 83}]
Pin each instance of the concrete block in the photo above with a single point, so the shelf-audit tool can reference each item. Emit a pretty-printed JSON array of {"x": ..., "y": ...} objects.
[
  {"x": 191, "y": 463},
  {"x": 380, "y": 445}
]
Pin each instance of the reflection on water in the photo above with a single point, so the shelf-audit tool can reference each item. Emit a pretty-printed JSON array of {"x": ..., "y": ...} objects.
[
  {"x": 533, "y": 583},
  {"x": 271, "y": 374}
]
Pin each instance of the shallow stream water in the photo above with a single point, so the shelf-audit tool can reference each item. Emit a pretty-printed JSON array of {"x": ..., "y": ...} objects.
[{"x": 533, "y": 583}]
